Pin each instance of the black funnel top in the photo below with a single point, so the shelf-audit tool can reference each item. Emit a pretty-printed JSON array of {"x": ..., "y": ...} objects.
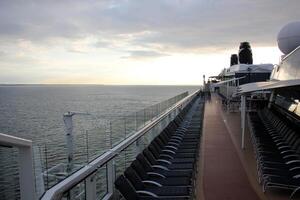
[{"x": 245, "y": 53}]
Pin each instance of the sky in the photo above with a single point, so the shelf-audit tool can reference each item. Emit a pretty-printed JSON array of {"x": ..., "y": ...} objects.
[{"x": 134, "y": 42}]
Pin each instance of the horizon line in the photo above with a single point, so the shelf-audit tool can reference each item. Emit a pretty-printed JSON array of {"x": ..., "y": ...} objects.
[{"x": 91, "y": 84}]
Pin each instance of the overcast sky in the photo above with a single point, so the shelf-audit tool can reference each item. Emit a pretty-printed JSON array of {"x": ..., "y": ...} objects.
[{"x": 134, "y": 41}]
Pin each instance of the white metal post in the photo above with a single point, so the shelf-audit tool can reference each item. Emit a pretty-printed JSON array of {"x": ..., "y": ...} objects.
[
  {"x": 90, "y": 187},
  {"x": 227, "y": 96},
  {"x": 40, "y": 188},
  {"x": 139, "y": 145},
  {"x": 243, "y": 118},
  {"x": 135, "y": 122},
  {"x": 111, "y": 176},
  {"x": 26, "y": 173}
]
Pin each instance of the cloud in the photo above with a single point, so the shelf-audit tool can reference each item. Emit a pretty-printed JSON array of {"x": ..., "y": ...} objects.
[
  {"x": 144, "y": 54},
  {"x": 2, "y": 54},
  {"x": 76, "y": 51},
  {"x": 190, "y": 24}
]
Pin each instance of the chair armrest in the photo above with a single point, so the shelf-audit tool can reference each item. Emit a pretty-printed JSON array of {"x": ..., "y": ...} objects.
[
  {"x": 282, "y": 147},
  {"x": 176, "y": 137},
  {"x": 171, "y": 147},
  {"x": 168, "y": 151},
  {"x": 156, "y": 174},
  {"x": 160, "y": 167},
  {"x": 281, "y": 143},
  {"x": 296, "y": 176},
  {"x": 164, "y": 161},
  {"x": 152, "y": 183},
  {"x": 294, "y": 192},
  {"x": 287, "y": 151},
  {"x": 177, "y": 133},
  {"x": 166, "y": 155},
  {"x": 291, "y": 156},
  {"x": 278, "y": 140},
  {"x": 146, "y": 193},
  {"x": 292, "y": 161},
  {"x": 294, "y": 168},
  {"x": 173, "y": 143}
]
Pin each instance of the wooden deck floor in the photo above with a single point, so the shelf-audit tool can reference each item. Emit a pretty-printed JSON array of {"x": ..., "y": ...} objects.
[{"x": 226, "y": 171}]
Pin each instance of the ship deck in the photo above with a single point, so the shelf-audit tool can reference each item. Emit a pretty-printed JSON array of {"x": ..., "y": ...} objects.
[{"x": 225, "y": 170}]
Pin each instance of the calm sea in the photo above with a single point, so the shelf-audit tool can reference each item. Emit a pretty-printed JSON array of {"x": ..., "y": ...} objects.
[{"x": 35, "y": 112}]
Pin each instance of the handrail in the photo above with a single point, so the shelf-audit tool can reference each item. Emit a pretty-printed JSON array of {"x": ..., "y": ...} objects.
[
  {"x": 8, "y": 140},
  {"x": 26, "y": 175},
  {"x": 57, "y": 191}
]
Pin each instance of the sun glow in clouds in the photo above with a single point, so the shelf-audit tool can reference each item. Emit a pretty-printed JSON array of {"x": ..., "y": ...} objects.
[{"x": 177, "y": 69}]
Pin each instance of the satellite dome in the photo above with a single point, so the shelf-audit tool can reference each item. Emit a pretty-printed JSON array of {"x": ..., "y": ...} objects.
[{"x": 288, "y": 37}]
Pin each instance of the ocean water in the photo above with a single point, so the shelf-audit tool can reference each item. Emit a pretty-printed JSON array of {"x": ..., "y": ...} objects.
[{"x": 35, "y": 113}]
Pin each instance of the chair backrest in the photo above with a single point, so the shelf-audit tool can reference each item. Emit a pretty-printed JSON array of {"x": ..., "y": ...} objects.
[
  {"x": 296, "y": 145},
  {"x": 139, "y": 169},
  {"x": 144, "y": 162},
  {"x": 149, "y": 156},
  {"x": 134, "y": 179},
  {"x": 153, "y": 150},
  {"x": 157, "y": 144},
  {"x": 125, "y": 188}
]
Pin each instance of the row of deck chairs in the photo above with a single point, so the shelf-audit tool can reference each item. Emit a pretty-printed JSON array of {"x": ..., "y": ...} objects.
[
  {"x": 166, "y": 169},
  {"x": 277, "y": 150}
]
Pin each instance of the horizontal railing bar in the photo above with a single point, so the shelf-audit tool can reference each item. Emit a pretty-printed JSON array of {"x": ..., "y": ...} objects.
[
  {"x": 8, "y": 140},
  {"x": 57, "y": 191}
]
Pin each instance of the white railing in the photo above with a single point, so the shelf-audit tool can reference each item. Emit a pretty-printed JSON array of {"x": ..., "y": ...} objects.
[
  {"x": 83, "y": 183},
  {"x": 26, "y": 174}
]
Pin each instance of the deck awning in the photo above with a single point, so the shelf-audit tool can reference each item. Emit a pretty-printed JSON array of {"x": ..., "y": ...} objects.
[
  {"x": 268, "y": 85},
  {"x": 229, "y": 80}
]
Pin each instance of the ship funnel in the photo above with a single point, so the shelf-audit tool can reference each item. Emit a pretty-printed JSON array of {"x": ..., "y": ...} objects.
[
  {"x": 234, "y": 59},
  {"x": 245, "y": 53}
]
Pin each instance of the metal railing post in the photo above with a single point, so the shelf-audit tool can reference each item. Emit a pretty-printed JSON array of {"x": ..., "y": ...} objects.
[
  {"x": 243, "y": 118},
  {"x": 26, "y": 173},
  {"x": 90, "y": 187},
  {"x": 111, "y": 176},
  {"x": 139, "y": 145},
  {"x": 135, "y": 122},
  {"x": 110, "y": 135}
]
